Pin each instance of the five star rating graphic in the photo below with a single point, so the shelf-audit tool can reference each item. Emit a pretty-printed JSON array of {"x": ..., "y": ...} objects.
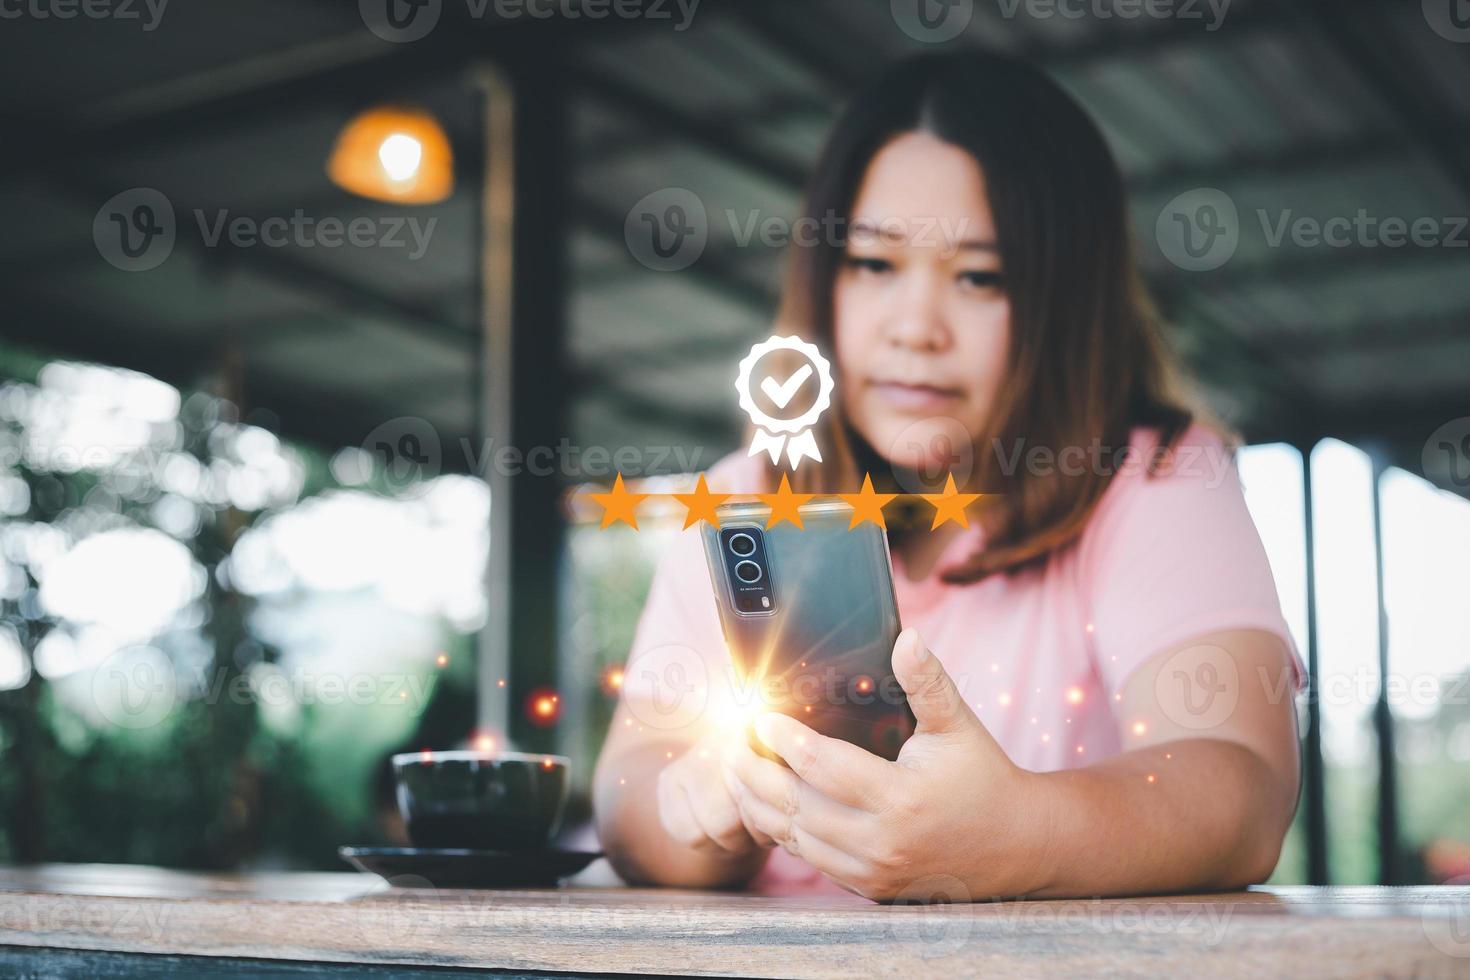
[{"x": 620, "y": 505}]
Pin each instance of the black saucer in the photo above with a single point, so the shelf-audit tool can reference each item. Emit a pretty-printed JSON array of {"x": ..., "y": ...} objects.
[{"x": 456, "y": 868}]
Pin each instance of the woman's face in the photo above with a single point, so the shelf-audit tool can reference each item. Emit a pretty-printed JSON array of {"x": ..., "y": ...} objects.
[{"x": 921, "y": 317}]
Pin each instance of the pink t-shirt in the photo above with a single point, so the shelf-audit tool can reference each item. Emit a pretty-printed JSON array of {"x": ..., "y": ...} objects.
[{"x": 1040, "y": 654}]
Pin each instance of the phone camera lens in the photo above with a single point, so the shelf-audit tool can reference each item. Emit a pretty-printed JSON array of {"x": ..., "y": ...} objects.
[
  {"x": 742, "y": 544},
  {"x": 748, "y": 572}
]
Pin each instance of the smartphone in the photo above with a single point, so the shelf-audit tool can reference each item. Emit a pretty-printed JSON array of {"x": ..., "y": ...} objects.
[{"x": 810, "y": 619}]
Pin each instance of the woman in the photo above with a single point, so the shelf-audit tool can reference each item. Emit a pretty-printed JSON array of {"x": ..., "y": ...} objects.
[{"x": 1098, "y": 665}]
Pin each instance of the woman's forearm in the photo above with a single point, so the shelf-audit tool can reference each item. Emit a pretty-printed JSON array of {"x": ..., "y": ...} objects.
[
  {"x": 625, "y": 800},
  {"x": 1179, "y": 816}
]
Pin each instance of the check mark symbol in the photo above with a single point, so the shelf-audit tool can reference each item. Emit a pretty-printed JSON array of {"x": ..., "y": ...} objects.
[{"x": 782, "y": 393}]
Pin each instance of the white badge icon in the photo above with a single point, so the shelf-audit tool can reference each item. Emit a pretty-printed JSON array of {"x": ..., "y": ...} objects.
[{"x": 771, "y": 435}]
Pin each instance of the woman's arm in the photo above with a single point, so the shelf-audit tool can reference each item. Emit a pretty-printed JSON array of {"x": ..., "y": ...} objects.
[
  {"x": 664, "y": 814},
  {"x": 1202, "y": 802},
  {"x": 1205, "y": 792}
]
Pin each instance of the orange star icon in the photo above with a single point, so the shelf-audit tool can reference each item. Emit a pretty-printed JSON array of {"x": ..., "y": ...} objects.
[
  {"x": 619, "y": 504},
  {"x": 784, "y": 504},
  {"x": 867, "y": 505},
  {"x": 701, "y": 504},
  {"x": 950, "y": 505}
]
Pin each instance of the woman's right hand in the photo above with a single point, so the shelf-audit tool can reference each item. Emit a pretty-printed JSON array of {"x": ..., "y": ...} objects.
[{"x": 696, "y": 807}]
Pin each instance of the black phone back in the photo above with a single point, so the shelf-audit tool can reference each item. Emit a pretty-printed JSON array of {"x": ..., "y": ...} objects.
[{"x": 810, "y": 618}]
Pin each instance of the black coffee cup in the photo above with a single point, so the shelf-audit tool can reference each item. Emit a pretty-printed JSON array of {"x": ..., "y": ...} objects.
[{"x": 498, "y": 801}]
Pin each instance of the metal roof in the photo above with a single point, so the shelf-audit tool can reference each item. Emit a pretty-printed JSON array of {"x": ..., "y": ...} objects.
[{"x": 1319, "y": 109}]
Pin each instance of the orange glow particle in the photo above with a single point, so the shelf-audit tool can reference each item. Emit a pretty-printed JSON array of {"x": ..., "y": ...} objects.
[
  {"x": 1139, "y": 728},
  {"x": 1168, "y": 755},
  {"x": 1005, "y": 700},
  {"x": 1089, "y": 627},
  {"x": 543, "y": 707},
  {"x": 500, "y": 683},
  {"x": 864, "y": 684},
  {"x": 612, "y": 680},
  {"x": 1150, "y": 777},
  {"x": 1079, "y": 750},
  {"x": 547, "y": 763},
  {"x": 442, "y": 660},
  {"x": 484, "y": 742},
  {"x": 1046, "y": 736},
  {"x": 1074, "y": 695},
  {"x": 426, "y": 756},
  {"x": 668, "y": 755}
]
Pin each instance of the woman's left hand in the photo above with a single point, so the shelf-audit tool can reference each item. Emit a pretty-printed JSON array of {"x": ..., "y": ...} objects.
[{"x": 952, "y": 814}]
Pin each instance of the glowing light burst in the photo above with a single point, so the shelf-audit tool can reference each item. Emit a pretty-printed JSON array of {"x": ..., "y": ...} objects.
[
  {"x": 1074, "y": 695},
  {"x": 483, "y": 742},
  {"x": 543, "y": 707},
  {"x": 612, "y": 680}
]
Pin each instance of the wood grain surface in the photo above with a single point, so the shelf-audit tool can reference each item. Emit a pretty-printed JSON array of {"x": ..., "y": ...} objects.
[{"x": 354, "y": 919}]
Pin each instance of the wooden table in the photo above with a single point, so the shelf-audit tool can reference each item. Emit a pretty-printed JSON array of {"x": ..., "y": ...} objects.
[{"x": 110, "y": 920}]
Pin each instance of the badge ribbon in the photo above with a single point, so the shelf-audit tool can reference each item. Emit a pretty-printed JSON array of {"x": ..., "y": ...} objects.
[{"x": 773, "y": 435}]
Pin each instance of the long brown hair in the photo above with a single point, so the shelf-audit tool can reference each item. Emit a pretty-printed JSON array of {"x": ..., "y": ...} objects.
[{"x": 1085, "y": 363}]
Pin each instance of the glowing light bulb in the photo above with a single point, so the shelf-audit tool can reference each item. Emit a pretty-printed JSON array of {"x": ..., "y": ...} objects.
[{"x": 400, "y": 155}]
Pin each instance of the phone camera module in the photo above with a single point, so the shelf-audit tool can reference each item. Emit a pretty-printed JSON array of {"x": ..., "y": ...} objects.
[
  {"x": 748, "y": 572},
  {"x": 742, "y": 545}
]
